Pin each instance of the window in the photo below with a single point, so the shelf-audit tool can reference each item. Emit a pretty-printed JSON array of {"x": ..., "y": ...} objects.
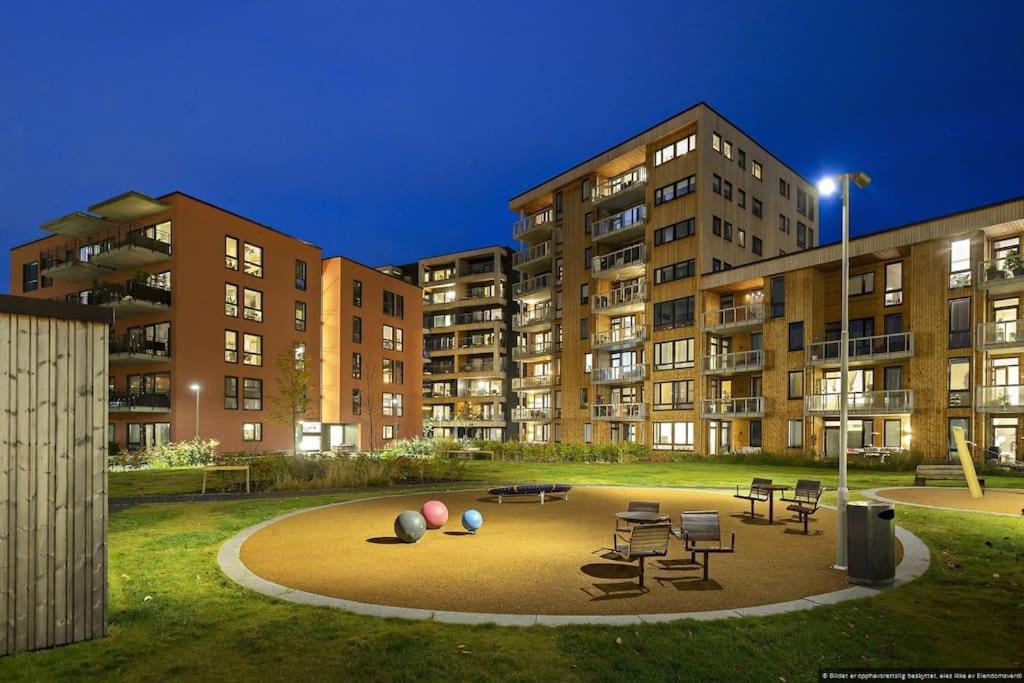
[
  {"x": 673, "y": 436},
  {"x": 676, "y": 231},
  {"x": 801, "y": 202},
  {"x": 357, "y": 402},
  {"x": 393, "y": 338},
  {"x": 727, "y": 190},
  {"x": 784, "y": 188},
  {"x": 584, "y": 328},
  {"x": 392, "y": 406},
  {"x": 252, "y": 349},
  {"x": 716, "y": 265},
  {"x": 778, "y": 297},
  {"x": 756, "y": 245},
  {"x": 300, "y": 275},
  {"x": 300, "y": 316},
  {"x": 716, "y": 226},
  {"x": 584, "y": 293},
  {"x": 756, "y": 170},
  {"x": 252, "y": 394},
  {"x": 801, "y": 235},
  {"x": 741, "y": 159},
  {"x": 357, "y": 293},
  {"x": 394, "y": 304},
  {"x": 357, "y": 365},
  {"x": 727, "y": 149},
  {"x": 357, "y": 329},
  {"x": 558, "y": 205},
  {"x": 675, "y": 190},
  {"x": 230, "y": 300},
  {"x": 741, "y": 199},
  {"x": 741, "y": 237},
  {"x": 892, "y": 433},
  {"x": 393, "y": 371},
  {"x": 675, "y": 149},
  {"x": 959, "y": 382},
  {"x": 783, "y": 223},
  {"x": 674, "y": 313},
  {"x": 676, "y": 395},
  {"x": 894, "y": 283},
  {"x": 796, "y": 336},
  {"x": 756, "y": 208},
  {"x": 716, "y": 142},
  {"x": 588, "y": 223},
  {"x": 585, "y": 189},
  {"x": 588, "y": 362},
  {"x": 252, "y": 431},
  {"x": 795, "y": 384},
  {"x": 754, "y": 432},
  {"x": 727, "y": 231},
  {"x": 716, "y": 183},
  {"x": 794, "y": 434},
  {"x": 960, "y": 323},
  {"x": 960, "y": 264},
  {"x": 588, "y": 258},
  {"x": 253, "y": 260},
  {"x": 862, "y": 283},
  {"x": 588, "y": 432},
  {"x": 231, "y": 253},
  {"x": 253, "y": 305},
  {"x": 230, "y": 346},
  {"x": 584, "y": 397},
  {"x": 230, "y": 393},
  {"x": 674, "y": 271},
  {"x": 674, "y": 354},
  {"x": 30, "y": 276}
]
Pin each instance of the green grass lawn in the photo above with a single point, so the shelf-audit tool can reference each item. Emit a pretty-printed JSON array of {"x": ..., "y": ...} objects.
[{"x": 173, "y": 614}]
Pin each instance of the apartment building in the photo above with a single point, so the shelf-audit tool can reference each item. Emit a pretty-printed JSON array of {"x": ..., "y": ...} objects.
[
  {"x": 372, "y": 365},
  {"x": 613, "y": 255},
  {"x": 468, "y": 340},
  {"x": 204, "y": 301}
]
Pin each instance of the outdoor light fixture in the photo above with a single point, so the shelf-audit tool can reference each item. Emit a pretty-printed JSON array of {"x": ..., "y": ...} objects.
[
  {"x": 827, "y": 186},
  {"x": 195, "y": 387}
]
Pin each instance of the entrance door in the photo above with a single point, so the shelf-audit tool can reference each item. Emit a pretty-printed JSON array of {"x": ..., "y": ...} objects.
[
  {"x": 1004, "y": 437},
  {"x": 832, "y": 439},
  {"x": 719, "y": 436}
]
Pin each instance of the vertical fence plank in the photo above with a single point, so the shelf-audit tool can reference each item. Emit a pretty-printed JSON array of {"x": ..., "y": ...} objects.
[
  {"x": 21, "y": 473},
  {"x": 98, "y": 459},
  {"x": 80, "y": 488},
  {"x": 64, "y": 420},
  {"x": 6, "y": 501}
]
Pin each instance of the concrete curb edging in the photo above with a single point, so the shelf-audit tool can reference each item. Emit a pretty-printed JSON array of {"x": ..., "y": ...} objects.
[
  {"x": 873, "y": 494},
  {"x": 915, "y": 562}
]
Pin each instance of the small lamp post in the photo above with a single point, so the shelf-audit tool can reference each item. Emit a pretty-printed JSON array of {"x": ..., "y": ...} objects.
[{"x": 195, "y": 388}]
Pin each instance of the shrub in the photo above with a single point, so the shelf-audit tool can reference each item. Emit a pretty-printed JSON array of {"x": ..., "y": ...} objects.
[
  {"x": 567, "y": 452},
  {"x": 419, "y": 447},
  {"x": 180, "y": 454}
]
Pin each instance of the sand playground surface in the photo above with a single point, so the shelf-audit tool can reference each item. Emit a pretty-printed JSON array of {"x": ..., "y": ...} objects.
[{"x": 1006, "y": 501}]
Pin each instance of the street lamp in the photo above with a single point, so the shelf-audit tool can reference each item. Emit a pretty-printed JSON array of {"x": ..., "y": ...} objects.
[
  {"x": 195, "y": 388},
  {"x": 826, "y": 187}
]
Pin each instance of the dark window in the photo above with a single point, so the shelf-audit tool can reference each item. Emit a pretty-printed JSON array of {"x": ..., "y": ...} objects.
[
  {"x": 357, "y": 293},
  {"x": 585, "y": 189},
  {"x": 584, "y": 292},
  {"x": 756, "y": 208},
  {"x": 756, "y": 245},
  {"x": 357, "y": 365},
  {"x": 300, "y": 274},
  {"x": 796, "y": 336},
  {"x": 588, "y": 222},
  {"x": 673, "y": 232},
  {"x": 357, "y": 329},
  {"x": 30, "y": 276},
  {"x": 394, "y": 304},
  {"x": 674, "y": 271},
  {"x": 959, "y": 323},
  {"x": 357, "y": 402},
  {"x": 558, "y": 205},
  {"x": 893, "y": 378},
  {"x": 716, "y": 183},
  {"x": 727, "y": 231},
  {"x": 675, "y": 190},
  {"x": 252, "y": 394},
  {"x": 588, "y": 258},
  {"x": 778, "y": 297},
  {"x": 755, "y": 433},
  {"x": 716, "y": 226},
  {"x": 801, "y": 235},
  {"x": 584, "y": 328},
  {"x": 674, "y": 313},
  {"x": 230, "y": 393}
]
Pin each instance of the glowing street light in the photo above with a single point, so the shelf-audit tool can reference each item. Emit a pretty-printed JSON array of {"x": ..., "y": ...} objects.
[
  {"x": 826, "y": 187},
  {"x": 195, "y": 388}
]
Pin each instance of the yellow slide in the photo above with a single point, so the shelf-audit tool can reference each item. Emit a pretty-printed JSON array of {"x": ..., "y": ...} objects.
[{"x": 967, "y": 463}]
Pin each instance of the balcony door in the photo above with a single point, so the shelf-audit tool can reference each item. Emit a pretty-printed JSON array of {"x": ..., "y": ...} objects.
[
  {"x": 1005, "y": 372},
  {"x": 1005, "y": 433},
  {"x": 719, "y": 436}
]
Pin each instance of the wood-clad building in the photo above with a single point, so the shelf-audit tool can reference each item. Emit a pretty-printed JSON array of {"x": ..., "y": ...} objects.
[{"x": 53, "y": 476}]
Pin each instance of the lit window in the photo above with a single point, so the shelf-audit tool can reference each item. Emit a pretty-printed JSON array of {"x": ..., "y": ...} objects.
[
  {"x": 230, "y": 299},
  {"x": 894, "y": 283},
  {"x": 300, "y": 274},
  {"x": 357, "y": 293},
  {"x": 230, "y": 346},
  {"x": 795, "y": 434},
  {"x": 253, "y": 305},
  {"x": 252, "y": 394},
  {"x": 960, "y": 264},
  {"x": 231, "y": 253},
  {"x": 300, "y": 316},
  {"x": 252, "y": 349},
  {"x": 392, "y": 405},
  {"x": 716, "y": 142},
  {"x": 230, "y": 393},
  {"x": 755, "y": 169},
  {"x": 387, "y": 431},
  {"x": 253, "y": 264},
  {"x": 392, "y": 338},
  {"x": 252, "y": 431},
  {"x": 673, "y": 436}
]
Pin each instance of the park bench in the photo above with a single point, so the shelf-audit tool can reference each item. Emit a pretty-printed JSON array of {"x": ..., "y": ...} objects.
[
  {"x": 756, "y": 493},
  {"x": 644, "y": 540},
  {"x": 925, "y": 473},
  {"x": 805, "y": 500},
  {"x": 701, "y": 532},
  {"x": 226, "y": 468}
]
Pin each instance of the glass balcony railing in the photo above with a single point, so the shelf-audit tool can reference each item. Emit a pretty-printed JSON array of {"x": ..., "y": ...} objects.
[
  {"x": 621, "y": 337},
  {"x": 125, "y": 401},
  {"x": 725, "y": 408},
  {"x": 862, "y": 349},
  {"x": 632, "y": 181},
  {"x": 739, "y": 361},
  {"x": 542, "y": 220},
  {"x": 1000, "y": 334},
  {"x": 533, "y": 254},
  {"x": 527, "y": 414},
  {"x": 534, "y": 286},
  {"x": 1001, "y": 273},
  {"x": 622, "y": 374},
  {"x": 618, "y": 223},
  {"x": 747, "y": 315},
  {"x": 885, "y": 402},
  {"x": 618, "y": 412},
  {"x": 535, "y": 316},
  {"x": 534, "y": 382},
  {"x": 631, "y": 258},
  {"x": 628, "y": 296},
  {"x": 544, "y": 348},
  {"x": 1000, "y": 399}
]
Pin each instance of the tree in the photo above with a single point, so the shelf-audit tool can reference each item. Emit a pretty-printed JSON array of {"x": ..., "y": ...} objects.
[
  {"x": 292, "y": 401},
  {"x": 373, "y": 400}
]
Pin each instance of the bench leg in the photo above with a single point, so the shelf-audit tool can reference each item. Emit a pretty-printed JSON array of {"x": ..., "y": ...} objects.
[
  {"x": 707, "y": 558},
  {"x": 204, "y": 481},
  {"x": 541, "y": 497},
  {"x": 247, "y": 480},
  {"x": 806, "y": 518},
  {"x": 641, "y": 566},
  {"x": 499, "y": 499}
]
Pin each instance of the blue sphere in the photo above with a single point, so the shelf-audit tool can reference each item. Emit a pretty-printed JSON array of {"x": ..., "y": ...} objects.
[{"x": 472, "y": 520}]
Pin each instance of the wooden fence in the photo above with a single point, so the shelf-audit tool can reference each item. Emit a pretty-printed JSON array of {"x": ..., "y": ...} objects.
[{"x": 53, "y": 477}]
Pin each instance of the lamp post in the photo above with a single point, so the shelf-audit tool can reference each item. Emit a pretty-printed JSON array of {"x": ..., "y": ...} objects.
[
  {"x": 195, "y": 388},
  {"x": 826, "y": 187}
]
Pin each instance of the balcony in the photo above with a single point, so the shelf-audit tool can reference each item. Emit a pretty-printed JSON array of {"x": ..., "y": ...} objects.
[
  {"x": 862, "y": 350},
  {"x": 622, "y": 190},
  {"x": 533, "y": 289},
  {"x": 1002, "y": 274},
  {"x": 622, "y": 374},
  {"x": 620, "y": 301},
  {"x": 434, "y": 302},
  {"x": 471, "y": 421},
  {"x": 481, "y": 368},
  {"x": 628, "y": 262},
  {"x": 535, "y": 259},
  {"x": 481, "y": 270},
  {"x": 735, "y": 319},
  {"x": 526, "y": 414},
  {"x": 537, "y": 318},
  {"x": 1001, "y": 335},
  {"x": 432, "y": 323},
  {"x": 77, "y": 224},
  {"x": 732, "y": 408},
  {"x": 131, "y": 298},
  {"x": 619, "y": 338},
  {"x": 862, "y": 404},
  {"x": 534, "y": 383},
  {"x": 134, "y": 246},
  {"x": 1000, "y": 399},
  {"x": 127, "y": 402},
  {"x": 733, "y": 363},
  {"x": 438, "y": 276},
  {"x": 536, "y": 227},
  {"x": 133, "y": 349},
  {"x": 618, "y": 412},
  {"x": 444, "y": 346},
  {"x": 620, "y": 227},
  {"x": 71, "y": 262},
  {"x": 536, "y": 351}
]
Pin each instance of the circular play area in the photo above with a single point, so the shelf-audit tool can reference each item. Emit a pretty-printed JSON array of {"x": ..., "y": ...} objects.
[
  {"x": 529, "y": 558},
  {"x": 994, "y": 501}
]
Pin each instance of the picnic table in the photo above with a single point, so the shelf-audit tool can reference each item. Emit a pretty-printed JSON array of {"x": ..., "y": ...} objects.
[{"x": 771, "y": 489}]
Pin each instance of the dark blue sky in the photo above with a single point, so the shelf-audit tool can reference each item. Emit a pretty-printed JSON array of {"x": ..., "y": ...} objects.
[{"x": 390, "y": 131}]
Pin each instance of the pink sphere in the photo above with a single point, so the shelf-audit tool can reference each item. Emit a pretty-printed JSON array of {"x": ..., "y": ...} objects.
[{"x": 435, "y": 512}]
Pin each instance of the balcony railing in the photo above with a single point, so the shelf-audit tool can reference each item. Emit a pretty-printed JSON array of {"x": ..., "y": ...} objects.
[
  {"x": 535, "y": 316},
  {"x": 527, "y": 414},
  {"x": 537, "y": 349},
  {"x": 129, "y": 293},
  {"x": 625, "y": 262},
  {"x": 1000, "y": 399},
  {"x": 536, "y": 253},
  {"x": 620, "y": 337},
  {"x": 128, "y": 245},
  {"x": 434, "y": 276},
  {"x": 1000, "y": 334},
  {"x": 466, "y": 318},
  {"x": 482, "y": 268},
  {"x": 629, "y": 183},
  {"x": 482, "y": 366},
  {"x": 736, "y": 317},
  {"x": 1002, "y": 273},
  {"x": 739, "y": 361},
  {"x": 622, "y": 374},
  {"x": 534, "y": 382},
  {"x": 628, "y": 296},
  {"x": 137, "y": 346},
  {"x": 472, "y": 343},
  {"x": 633, "y": 217},
  {"x": 618, "y": 412},
  {"x": 540, "y": 220},
  {"x": 886, "y": 402},
  {"x": 863, "y": 349},
  {"x": 540, "y": 285},
  {"x": 129, "y": 401},
  {"x": 440, "y": 344},
  {"x": 726, "y": 408}
]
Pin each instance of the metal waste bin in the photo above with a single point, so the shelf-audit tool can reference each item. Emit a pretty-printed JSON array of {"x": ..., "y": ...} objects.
[{"x": 870, "y": 543}]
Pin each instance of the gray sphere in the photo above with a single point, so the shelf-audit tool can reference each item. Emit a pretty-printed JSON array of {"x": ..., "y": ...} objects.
[{"x": 410, "y": 526}]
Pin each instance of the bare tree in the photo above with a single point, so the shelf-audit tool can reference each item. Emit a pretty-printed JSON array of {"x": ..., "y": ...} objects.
[
  {"x": 373, "y": 401},
  {"x": 292, "y": 401}
]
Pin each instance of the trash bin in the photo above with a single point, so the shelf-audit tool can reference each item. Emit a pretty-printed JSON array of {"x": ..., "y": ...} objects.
[{"x": 870, "y": 543}]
